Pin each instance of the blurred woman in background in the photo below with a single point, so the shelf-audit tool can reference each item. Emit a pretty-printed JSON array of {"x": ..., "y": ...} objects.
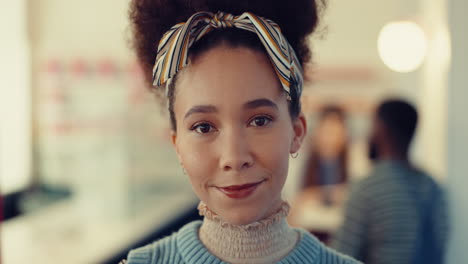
[{"x": 326, "y": 165}]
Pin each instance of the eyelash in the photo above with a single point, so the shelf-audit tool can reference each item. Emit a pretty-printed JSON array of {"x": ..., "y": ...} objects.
[
  {"x": 267, "y": 118},
  {"x": 198, "y": 125}
]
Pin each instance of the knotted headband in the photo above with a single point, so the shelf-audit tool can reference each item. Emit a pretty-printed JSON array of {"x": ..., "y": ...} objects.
[{"x": 175, "y": 43}]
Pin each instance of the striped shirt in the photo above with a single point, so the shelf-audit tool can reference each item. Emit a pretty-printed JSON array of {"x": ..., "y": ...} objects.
[
  {"x": 383, "y": 216},
  {"x": 184, "y": 247}
]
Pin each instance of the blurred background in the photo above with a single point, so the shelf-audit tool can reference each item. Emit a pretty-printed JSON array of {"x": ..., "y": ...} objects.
[{"x": 87, "y": 171}]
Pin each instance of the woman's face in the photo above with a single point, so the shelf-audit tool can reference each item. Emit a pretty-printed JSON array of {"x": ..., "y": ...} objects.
[{"x": 234, "y": 132}]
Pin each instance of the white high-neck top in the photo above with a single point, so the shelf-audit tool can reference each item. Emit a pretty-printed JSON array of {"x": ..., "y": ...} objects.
[{"x": 264, "y": 241}]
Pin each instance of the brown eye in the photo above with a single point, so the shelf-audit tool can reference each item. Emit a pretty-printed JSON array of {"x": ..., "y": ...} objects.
[
  {"x": 203, "y": 128},
  {"x": 260, "y": 121}
]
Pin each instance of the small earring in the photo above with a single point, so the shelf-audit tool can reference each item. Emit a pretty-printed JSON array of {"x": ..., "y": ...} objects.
[
  {"x": 294, "y": 155},
  {"x": 184, "y": 171}
]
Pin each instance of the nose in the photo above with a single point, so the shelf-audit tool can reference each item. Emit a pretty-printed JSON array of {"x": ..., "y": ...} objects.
[{"x": 235, "y": 151}]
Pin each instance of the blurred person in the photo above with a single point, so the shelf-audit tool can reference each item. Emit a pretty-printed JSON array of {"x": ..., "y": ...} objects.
[
  {"x": 398, "y": 213},
  {"x": 233, "y": 84},
  {"x": 326, "y": 165}
]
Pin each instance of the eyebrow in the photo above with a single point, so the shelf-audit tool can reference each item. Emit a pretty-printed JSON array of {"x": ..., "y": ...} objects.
[
  {"x": 262, "y": 102},
  {"x": 201, "y": 109}
]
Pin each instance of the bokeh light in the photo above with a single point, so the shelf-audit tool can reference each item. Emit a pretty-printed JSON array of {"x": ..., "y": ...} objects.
[{"x": 402, "y": 46}]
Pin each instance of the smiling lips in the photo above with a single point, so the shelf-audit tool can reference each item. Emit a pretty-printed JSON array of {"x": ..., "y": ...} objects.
[{"x": 239, "y": 191}]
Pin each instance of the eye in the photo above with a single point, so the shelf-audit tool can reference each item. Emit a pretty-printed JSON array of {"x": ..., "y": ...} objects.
[
  {"x": 260, "y": 121},
  {"x": 203, "y": 128}
]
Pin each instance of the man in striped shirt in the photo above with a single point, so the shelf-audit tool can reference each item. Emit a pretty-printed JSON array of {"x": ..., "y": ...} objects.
[{"x": 398, "y": 214}]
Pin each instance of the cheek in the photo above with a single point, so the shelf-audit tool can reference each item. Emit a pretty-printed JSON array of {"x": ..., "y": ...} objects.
[
  {"x": 273, "y": 155},
  {"x": 282, "y": 165},
  {"x": 197, "y": 161}
]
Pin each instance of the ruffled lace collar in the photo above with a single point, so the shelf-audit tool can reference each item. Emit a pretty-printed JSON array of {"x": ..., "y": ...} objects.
[{"x": 264, "y": 241}]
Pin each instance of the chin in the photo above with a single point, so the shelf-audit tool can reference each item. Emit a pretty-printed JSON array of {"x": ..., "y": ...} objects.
[
  {"x": 241, "y": 218},
  {"x": 243, "y": 215}
]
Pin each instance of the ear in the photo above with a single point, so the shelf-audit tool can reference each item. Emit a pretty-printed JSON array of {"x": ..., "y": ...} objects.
[
  {"x": 300, "y": 130},
  {"x": 379, "y": 131},
  {"x": 174, "y": 144}
]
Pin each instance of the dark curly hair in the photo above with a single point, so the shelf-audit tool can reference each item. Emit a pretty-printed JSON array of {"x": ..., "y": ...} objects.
[{"x": 150, "y": 19}]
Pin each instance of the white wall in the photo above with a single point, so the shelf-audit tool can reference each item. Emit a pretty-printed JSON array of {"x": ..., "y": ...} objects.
[
  {"x": 457, "y": 135},
  {"x": 352, "y": 28},
  {"x": 432, "y": 96},
  {"x": 15, "y": 97},
  {"x": 85, "y": 28},
  {"x": 57, "y": 29}
]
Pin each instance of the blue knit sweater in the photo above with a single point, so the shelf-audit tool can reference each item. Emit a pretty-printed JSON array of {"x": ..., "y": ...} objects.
[{"x": 184, "y": 247}]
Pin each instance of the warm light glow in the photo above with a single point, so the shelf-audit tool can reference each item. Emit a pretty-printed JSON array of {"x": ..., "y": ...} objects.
[{"x": 402, "y": 46}]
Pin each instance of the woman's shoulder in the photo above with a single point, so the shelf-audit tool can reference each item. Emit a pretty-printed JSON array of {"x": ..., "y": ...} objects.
[
  {"x": 184, "y": 246},
  {"x": 168, "y": 249},
  {"x": 314, "y": 251}
]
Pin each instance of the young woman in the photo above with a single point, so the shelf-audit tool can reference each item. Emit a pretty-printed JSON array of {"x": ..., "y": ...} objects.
[
  {"x": 326, "y": 166},
  {"x": 231, "y": 72}
]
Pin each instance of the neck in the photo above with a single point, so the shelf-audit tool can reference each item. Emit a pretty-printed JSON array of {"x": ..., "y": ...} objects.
[
  {"x": 390, "y": 152},
  {"x": 396, "y": 157},
  {"x": 264, "y": 241}
]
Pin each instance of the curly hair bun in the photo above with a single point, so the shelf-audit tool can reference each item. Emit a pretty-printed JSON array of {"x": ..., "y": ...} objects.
[{"x": 150, "y": 19}]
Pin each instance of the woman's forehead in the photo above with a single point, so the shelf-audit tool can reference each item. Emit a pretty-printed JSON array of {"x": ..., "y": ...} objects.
[{"x": 228, "y": 75}]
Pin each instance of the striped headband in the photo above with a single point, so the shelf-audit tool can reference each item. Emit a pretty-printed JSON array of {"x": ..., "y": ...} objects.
[{"x": 175, "y": 43}]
